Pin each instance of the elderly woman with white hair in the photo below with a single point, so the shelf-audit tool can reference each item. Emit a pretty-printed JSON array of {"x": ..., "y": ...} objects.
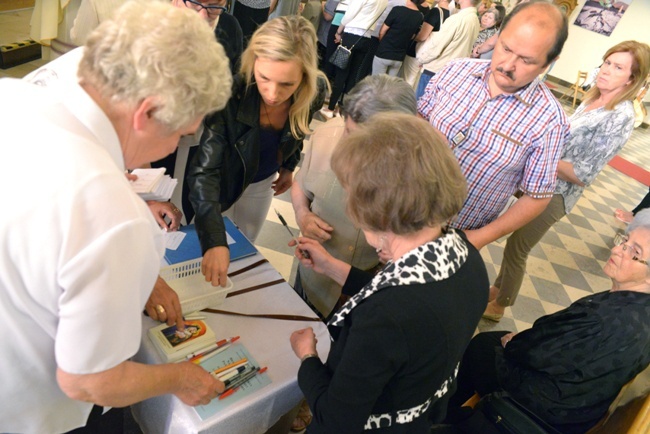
[
  {"x": 79, "y": 250},
  {"x": 568, "y": 368}
]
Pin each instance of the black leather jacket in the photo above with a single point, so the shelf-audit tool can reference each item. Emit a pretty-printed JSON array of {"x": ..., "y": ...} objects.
[{"x": 228, "y": 158}]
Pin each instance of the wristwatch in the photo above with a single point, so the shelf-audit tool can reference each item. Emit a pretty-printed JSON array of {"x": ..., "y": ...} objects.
[{"x": 308, "y": 356}]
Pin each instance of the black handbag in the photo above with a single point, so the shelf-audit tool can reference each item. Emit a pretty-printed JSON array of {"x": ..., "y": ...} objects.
[
  {"x": 510, "y": 417},
  {"x": 341, "y": 56}
]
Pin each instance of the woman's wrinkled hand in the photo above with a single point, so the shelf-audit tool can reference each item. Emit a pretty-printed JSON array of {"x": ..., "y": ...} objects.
[
  {"x": 196, "y": 386},
  {"x": 318, "y": 258}
]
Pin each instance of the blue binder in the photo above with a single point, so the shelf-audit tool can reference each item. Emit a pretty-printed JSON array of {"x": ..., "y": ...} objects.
[{"x": 190, "y": 247}]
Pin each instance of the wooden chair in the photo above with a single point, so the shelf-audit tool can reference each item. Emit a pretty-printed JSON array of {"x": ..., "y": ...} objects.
[
  {"x": 576, "y": 88},
  {"x": 630, "y": 411}
]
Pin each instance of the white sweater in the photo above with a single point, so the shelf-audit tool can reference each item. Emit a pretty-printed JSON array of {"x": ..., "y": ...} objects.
[{"x": 362, "y": 15}]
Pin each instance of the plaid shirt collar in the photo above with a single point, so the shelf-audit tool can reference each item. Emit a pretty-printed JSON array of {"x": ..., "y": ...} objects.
[{"x": 525, "y": 95}]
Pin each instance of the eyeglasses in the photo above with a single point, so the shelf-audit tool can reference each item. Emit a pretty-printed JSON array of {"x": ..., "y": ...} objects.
[
  {"x": 621, "y": 240},
  {"x": 212, "y": 10}
]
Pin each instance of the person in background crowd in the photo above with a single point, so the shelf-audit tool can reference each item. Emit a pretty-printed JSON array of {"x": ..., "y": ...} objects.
[
  {"x": 312, "y": 10},
  {"x": 570, "y": 365},
  {"x": 356, "y": 27},
  {"x": 249, "y": 150},
  {"x": 397, "y": 343},
  {"x": 396, "y": 33},
  {"x": 327, "y": 17},
  {"x": 90, "y": 14},
  {"x": 331, "y": 45},
  {"x": 482, "y": 7},
  {"x": 433, "y": 19},
  {"x": 490, "y": 22},
  {"x": 453, "y": 41},
  {"x": 282, "y": 8},
  {"x": 600, "y": 128},
  {"x": 627, "y": 216},
  {"x": 366, "y": 66},
  {"x": 251, "y": 14},
  {"x": 513, "y": 142},
  {"x": 80, "y": 250}
]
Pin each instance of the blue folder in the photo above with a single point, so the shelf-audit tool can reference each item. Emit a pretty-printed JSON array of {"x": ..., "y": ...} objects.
[{"x": 190, "y": 247}]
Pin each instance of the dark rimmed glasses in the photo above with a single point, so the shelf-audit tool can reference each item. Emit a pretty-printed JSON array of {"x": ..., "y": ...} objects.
[
  {"x": 211, "y": 10},
  {"x": 621, "y": 240}
]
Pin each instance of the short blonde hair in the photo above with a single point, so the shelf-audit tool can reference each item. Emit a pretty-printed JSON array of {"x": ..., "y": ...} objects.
[
  {"x": 285, "y": 39},
  {"x": 640, "y": 67},
  {"x": 156, "y": 50},
  {"x": 399, "y": 174}
]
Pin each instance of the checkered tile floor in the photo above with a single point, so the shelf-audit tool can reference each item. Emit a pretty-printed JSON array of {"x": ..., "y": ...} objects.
[{"x": 565, "y": 266}]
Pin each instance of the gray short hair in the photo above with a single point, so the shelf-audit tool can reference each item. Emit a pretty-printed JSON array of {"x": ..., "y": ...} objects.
[
  {"x": 641, "y": 220},
  {"x": 378, "y": 94},
  {"x": 156, "y": 50}
]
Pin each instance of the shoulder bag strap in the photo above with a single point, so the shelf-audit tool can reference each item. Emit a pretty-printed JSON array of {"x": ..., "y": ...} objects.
[{"x": 364, "y": 33}]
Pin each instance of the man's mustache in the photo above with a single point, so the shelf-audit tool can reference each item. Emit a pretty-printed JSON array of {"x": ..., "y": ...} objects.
[{"x": 508, "y": 74}]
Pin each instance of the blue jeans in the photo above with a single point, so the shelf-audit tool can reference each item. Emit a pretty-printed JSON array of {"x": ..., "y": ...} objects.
[{"x": 422, "y": 84}]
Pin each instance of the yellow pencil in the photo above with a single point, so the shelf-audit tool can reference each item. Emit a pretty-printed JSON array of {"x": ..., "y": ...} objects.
[{"x": 232, "y": 365}]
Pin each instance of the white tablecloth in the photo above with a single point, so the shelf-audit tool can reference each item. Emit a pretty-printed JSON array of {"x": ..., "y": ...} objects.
[{"x": 268, "y": 342}]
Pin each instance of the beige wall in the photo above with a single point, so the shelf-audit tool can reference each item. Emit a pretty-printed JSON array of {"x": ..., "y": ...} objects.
[{"x": 584, "y": 49}]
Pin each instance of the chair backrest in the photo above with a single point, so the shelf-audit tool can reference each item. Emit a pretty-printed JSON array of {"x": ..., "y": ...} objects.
[{"x": 630, "y": 411}]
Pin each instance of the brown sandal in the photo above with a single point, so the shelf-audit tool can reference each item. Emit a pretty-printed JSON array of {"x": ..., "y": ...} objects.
[{"x": 303, "y": 418}]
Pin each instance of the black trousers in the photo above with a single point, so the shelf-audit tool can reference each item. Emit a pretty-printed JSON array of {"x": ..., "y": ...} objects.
[
  {"x": 112, "y": 422},
  {"x": 366, "y": 66},
  {"x": 477, "y": 371},
  {"x": 346, "y": 78},
  {"x": 645, "y": 203},
  {"x": 249, "y": 19},
  {"x": 328, "y": 68}
]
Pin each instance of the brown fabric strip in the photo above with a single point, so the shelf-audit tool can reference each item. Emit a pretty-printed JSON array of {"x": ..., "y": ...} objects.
[
  {"x": 263, "y": 315},
  {"x": 255, "y": 288},
  {"x": 250, "y": 267}
]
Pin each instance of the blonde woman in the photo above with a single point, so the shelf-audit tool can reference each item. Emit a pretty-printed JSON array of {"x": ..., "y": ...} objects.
[{"x": 248, "y": 151}]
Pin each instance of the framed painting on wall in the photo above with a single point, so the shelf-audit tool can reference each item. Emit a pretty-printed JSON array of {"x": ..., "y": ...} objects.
[{"x": 602, "y": 16}]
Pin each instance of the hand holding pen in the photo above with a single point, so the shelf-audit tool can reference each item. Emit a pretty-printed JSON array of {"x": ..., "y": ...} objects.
[
  {"x": 319, "y": 260},
  {"x": 293, "y": 237}
]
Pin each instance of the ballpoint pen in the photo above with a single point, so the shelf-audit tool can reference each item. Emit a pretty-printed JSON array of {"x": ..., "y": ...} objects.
[
  {"x": 196, "y": 356},
  {"x": 284, "y": 223},
  {"x": 234, "y": 387},
  {"x": 232, "y": 374}
]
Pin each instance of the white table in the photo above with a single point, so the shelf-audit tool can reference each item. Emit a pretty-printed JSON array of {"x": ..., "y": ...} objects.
[{"x": 268, "y": 342}]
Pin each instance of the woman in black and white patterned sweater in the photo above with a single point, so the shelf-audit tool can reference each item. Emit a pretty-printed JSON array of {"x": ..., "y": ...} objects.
[{"x": 397, "y": 342}]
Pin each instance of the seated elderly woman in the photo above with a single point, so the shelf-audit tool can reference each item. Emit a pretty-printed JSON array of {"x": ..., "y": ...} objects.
[
  {"x": 568, "y": 368},
  {"x": 398, "y": 341}
]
